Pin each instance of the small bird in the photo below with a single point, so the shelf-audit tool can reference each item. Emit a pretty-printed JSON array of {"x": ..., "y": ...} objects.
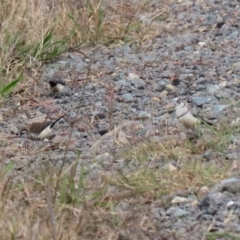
[
  {"x": 56, "y": 83},
  {"x": 39, "y": 130},
  {"x": 186, "y": 118}
]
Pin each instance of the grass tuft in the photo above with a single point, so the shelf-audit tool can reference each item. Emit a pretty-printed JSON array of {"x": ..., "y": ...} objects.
[{"x": 66, "y": 202}]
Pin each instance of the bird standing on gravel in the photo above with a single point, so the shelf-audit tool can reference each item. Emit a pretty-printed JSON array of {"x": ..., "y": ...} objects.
[
  {"x": 186, "y": 118},
  {"x": 56, "y": 83},
  {"x": 39, "y": 130}
]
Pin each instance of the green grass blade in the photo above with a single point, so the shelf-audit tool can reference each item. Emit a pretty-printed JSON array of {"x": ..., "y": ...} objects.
[
  {"x": 7, "y": 89},
  {"x": 48, "y": 37}
]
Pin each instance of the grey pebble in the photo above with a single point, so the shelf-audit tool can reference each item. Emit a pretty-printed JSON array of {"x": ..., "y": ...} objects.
[
  {"x": 176, "y": 211},
  {"x": 127, "y": 98},
  {"x": 231, "y": 185},
  {"x": 234, "y": 34},
  {"x": 199, "y": 101},
  {"x": 219, "y": 108}
]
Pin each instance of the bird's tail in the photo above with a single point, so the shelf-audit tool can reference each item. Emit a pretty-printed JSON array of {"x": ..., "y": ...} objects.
[
  {"x": 52, "y": 124},
  {"x": 203, "y": 121}
]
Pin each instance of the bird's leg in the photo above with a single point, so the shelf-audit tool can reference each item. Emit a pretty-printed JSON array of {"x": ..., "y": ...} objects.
[{"x": 194, "y": 133}]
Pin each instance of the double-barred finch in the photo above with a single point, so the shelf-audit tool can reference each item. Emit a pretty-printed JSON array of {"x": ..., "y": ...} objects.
[
  {"x": 39, "y": 130},
  {"x": 186, "y": 118},
  {"x": 56, "y": 83}
]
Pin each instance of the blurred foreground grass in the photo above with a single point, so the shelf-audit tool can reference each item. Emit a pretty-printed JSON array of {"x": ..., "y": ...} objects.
[
  {"x": 68, "y": 203},
  {"x": 73, "y": 204}
]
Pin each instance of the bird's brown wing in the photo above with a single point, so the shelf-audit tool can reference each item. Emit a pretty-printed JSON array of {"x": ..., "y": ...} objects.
[{"x": 37, "y": 127}]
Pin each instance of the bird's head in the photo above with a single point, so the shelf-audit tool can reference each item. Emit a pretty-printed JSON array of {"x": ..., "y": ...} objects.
[
  {"x": 23, "y": 132},
  {"x": 52, "y": 84},
  {"x": 179, "y": 104}
]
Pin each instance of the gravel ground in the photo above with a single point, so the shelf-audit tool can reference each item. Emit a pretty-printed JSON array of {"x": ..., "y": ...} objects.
[{"x": 195, "y": 57}]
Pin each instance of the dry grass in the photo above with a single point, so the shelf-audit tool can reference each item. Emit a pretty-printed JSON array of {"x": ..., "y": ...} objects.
[
  {"x": 73, "y": 205},
  {"x": 25, "y": 25},
  {"x": 83, "y": 207}
]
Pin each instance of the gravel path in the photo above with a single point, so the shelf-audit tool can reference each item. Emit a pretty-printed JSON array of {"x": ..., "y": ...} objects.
[{"x": 195, "y": 56}]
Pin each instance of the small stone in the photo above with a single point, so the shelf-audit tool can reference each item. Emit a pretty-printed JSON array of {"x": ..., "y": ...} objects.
[
  {"x": 57, "y": 139},
  {"x": 180, "y": 200},
  {"x": 205, "y": 203},
  {"x": 188, "y": 48},
  {"x": 201, "y": 44},
  {"x": 208, "y": 154},
  {"x": 204, "y": 191},
  {"x": 170, "y": 167},
  {"x": 142, "y": 116},
  {"x": 104, "y": 158},
  {"x": 177, "y": 212},
  {"x": 213, "y": 88},
  {"x": 230, "y": 204},
  {"x": 72, "y": 114},
  {"x": 163, "y": 94},
  {"x": 233, "y": 34},
  {"x": 230, "y": 185},
  {"x": 13, "y": 129},
  {"x": 232, "y": 156},
  {"x": 171, "y": 87},
  {"x": 219, "y": 108},
  {"x": 134, "y": 79},
  {"x": 201, "y": 87},
  {"x": 223, "y": 84},
  {"x": 194, "y": 203},
  {"x": 127, "y": 97},
  {"x": 199, "y": 101},
  {"x": 123, "y": 82},
  {"x": 236, "y": 67},
  {"x": 133, "y": 76},
  {"x": 146, "y": 132},
  {"x": 87, "y": 60},
  {"x": 169, "y": 106}
]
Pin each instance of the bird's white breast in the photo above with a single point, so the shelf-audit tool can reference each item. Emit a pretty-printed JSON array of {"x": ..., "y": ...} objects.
[
  {"x": 59, "y": 87},
  {"x": 43, "y": 134},
  {"x": 189, "y": 121},
  {"x": 186, "y": 117}
]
